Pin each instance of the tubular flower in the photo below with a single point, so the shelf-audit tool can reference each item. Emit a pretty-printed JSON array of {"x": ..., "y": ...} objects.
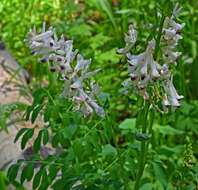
[
  {"x": 61, "y": 55},
  {"x": 142, "y": 68},
  {"x": 146, "y": 73},
  {"x": 171, "y": 36},
  {"x": 171, "y": 97},
  {"x": 130, "y": 40}
]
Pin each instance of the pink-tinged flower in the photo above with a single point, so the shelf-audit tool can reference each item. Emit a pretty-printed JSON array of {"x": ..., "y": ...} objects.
[{"x": 171, "y": 96}]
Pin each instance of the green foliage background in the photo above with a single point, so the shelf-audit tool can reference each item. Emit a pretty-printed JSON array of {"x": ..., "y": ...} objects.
[{"x": 97, "y": 28}]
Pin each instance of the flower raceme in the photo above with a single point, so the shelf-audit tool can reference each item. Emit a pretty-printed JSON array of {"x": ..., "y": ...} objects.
[
  {"x": 145, "y": 72},
  {"x": 61, "y": 56}
]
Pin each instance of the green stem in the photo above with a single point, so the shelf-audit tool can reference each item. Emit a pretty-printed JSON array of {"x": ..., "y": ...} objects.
[
  {"x": 143, "y": 149},
  {"x": 157, "y": 46},
  {"x": 144, "y": 146},
  {"x": 150, "y": 129}
]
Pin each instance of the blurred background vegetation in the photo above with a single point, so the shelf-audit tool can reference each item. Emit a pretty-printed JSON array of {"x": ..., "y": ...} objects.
[{"x": 97, "y": 28}]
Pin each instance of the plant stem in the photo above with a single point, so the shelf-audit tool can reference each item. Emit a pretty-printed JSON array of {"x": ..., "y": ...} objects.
[
  {"x": 157, "y": 46},
  {"x": 143, "y": 148}
]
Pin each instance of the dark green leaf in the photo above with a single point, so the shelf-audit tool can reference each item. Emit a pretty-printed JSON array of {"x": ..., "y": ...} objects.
[
  {"x": 35, "y": 112},
  {"x": 37, "y": 142},
  {"x": 52, "y": 172},
  {"x": 109, "y": 150},
  {"x": 21, "y": 131},
  {"x": 27, "y": 172},
  {"x": 44, "y": 182},
  {"x": 160, "y": 174},
  {"x": 12, "y": 172},
  {"x": 26, "y": 137},
  {"x": 37, "y": 178},
  {"x": 45, "y": 136}
]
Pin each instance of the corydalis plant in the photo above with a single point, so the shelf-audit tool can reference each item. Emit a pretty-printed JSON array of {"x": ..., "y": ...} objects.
[
  {"x": 72, "y": 67},
  {"x": 149, "y": 74},
  {"x": 152, "y": 77}
]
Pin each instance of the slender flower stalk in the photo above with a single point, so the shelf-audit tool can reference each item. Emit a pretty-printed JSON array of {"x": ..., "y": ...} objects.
[
  {"x": 151, "y": 79},
  {"x": 143, "y": 148}
]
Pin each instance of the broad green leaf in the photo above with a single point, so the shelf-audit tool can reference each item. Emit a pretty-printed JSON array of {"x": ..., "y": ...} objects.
[
  {"x": 69, "y": 131},
  {"x": 166, "y": 130},
  {"x": 109, "y": 150},
  {"x": 128, "y": 124},
  {"x": 147, "y": 186},
  {"x": 160, "y": 174}
]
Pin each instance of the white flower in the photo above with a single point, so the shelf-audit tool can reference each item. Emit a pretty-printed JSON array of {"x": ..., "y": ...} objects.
[
  {"x": 171, "y": 36},
  {"x": 130, "y": 40},
  {"x": 142, "y": 68},
  {"x": 61, "y": 54},
  {"x": 82, "y": 64},
  {"x": 87, "y": 105},
  {"x": 171, "y": 56},
  {"x": 146, "y": 74},
  {"x": 171, "y": 98}
]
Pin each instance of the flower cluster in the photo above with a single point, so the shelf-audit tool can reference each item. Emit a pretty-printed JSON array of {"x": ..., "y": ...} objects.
[
  {"x": 71, "y": 65},
  {"x": 145, "y": 71}
]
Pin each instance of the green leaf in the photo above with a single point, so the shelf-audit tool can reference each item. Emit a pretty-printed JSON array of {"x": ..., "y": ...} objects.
[
  {"x": 39, "y": 95},
  {"x": 59, "y": 184},
  {"x": 26, "y": 137},
  {"x": 107, "y": 8},
  {"x": 80, "y": 30},
  {"x": 160, "y": 174},
  {"x": 37, "y": 142},
  {"x": 44, "y": 182},
  {"x": 53, "y": 170},
  {"x": 45, "y": 136},
  {"x": 27, "y": 172},
  {"x": 166, "y": 130},
  {"x": 109, "y": 150},
  {"x": 35, "y": 112},
  {"x": 69, "y": 131},
  {"x": 12, "y": 172},
  {"x": 2, "y": 181},
  {"x": 128, "y": 124},
  {"x": 55, "y": 140},
  {"x": 37, "y": 178},
  {"x": 21, "y": 131},
  {"x": 147, "y": 186}
]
